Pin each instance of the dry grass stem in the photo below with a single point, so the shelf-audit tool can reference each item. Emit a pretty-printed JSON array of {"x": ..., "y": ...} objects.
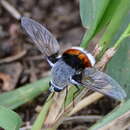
[
  {"x": 120, "y": 123},
  {"x": 55, "y": 109},
  {"x": 10, "y": 9},
  {"x": 106, "y": 58},
  {"x": 88, "y": 118},
  {"x": 14, "y": 57},
  {"x": 86, "y": 101}
]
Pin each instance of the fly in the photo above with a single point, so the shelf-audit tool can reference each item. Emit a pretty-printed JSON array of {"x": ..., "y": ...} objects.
[{"x": 75, "y": 66}]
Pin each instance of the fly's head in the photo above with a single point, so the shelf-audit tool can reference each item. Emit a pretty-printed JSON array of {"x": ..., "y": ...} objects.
[{"x": 54, "y": 87}]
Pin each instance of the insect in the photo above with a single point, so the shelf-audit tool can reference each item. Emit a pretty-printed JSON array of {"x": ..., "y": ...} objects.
[{"x": 75, "y": 66}]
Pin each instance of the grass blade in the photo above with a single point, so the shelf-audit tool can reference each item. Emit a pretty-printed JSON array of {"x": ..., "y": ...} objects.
[
  {"x": 22, "y": 95},
  {"x": 91, "y": 13},
  {"x": 9, "y": 120},
  {"x": 114, "y": 115}
]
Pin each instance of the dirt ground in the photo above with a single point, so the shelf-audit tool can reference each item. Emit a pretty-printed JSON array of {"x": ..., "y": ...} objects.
[{"x": 21, "y": 62}]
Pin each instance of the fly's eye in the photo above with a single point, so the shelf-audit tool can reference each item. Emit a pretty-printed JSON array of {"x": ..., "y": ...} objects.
[
  {"x": 57, "y": 89},
  {"x": 54, "y": 88},
  {"x": 49, "y": 83}
]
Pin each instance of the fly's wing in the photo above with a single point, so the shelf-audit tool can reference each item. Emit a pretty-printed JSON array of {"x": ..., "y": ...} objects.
[
  {"x": 103, "y": 83},
  {"x": 42, "y": 38}
]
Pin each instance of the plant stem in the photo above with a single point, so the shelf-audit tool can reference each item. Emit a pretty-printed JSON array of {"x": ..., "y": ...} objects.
[
  {"x": 42, "y": 115},
  {"x": 51, "y": 128},
  {"x": 122, "y": 37},
  {"x": 86, "y": 101},
  {"x": 87, "y": 37},
  {"x": 115, "y": 118}
]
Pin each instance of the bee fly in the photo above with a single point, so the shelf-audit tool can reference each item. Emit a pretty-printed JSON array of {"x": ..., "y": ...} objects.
[{"x": 75, "y": 66}]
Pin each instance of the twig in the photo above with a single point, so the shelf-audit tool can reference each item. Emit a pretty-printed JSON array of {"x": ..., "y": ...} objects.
[
  {"x": 86, "y": 101},
  {"x": 106, "y": 58},
  {"x": 55, "y": 109},
  {"x": 88, "y": 118},
  {"x": 13, "y": 58},
  {"x": 10, "y": 9},
  {"x": 38, "y": 57}
]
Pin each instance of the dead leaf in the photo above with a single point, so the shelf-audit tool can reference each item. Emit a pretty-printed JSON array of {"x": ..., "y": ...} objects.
[{"x": 9, "y": 75}]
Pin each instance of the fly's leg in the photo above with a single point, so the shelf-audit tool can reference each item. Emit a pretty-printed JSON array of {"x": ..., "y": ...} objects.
[
  {"x": 50, "y": 97},
  {"x": 75, "y": 80},
  {"x": 74, "y": 94},
  {"x": 51, "y": 91},
  {"x": 65, "y": 97}
]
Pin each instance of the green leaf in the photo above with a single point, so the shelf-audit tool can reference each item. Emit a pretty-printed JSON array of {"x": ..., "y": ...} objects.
[
  {"x": 108, "y": 14},
  {"x": 114, "y": 25},
  {"x": 42, "y": 115},
  {"x": 119, "y": 69},
  {"x": 9, "y": 120},
  {"x": 119, "y": 66},
  {"x": 91, "y": 13},
  {"x": 119, "y": 111},
  {"x": 22, "y": 95},
  {"x": 113, "y": 15}
]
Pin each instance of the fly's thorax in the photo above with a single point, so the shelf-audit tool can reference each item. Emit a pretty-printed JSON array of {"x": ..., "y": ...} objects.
[{"x": 61, "y": 73}]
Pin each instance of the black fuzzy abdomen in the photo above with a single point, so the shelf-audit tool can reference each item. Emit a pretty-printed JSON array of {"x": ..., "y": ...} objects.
[{"x": 73, "y": 61}]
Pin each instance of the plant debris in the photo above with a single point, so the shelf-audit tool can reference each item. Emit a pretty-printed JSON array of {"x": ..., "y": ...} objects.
[{"x": 22, "y": 63}]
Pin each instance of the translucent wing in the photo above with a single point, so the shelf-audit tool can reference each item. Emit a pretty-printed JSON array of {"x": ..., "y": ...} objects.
[
  {"x": 43, "y": 39},
  {"x": 102, "y": 83}
]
